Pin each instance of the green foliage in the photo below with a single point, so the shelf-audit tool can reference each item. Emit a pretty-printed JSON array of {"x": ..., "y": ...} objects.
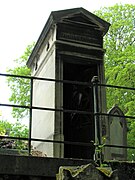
[
  {"x": 120, "y": 60},
  {"x": 131, "y": 139},
  {"x": 120, "y": 54},
  {"x": 20, "y": 87},
  {"x": 13, "y": 130},
  {"x": 4, "y": 127}
]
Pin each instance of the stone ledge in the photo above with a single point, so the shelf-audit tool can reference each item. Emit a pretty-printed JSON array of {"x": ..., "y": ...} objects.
[
  {"x": 45, "y": 167},
  {"x": 35, "y": 166}
]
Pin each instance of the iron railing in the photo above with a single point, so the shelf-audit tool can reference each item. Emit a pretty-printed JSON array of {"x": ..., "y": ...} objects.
[{"x": 94, "y": 84}]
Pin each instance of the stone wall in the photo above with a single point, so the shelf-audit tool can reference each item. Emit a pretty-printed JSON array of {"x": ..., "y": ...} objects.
[
  {"x": 40, "y": 168},
  {"x": 33, "y": 168},
  {"x": 44, "y": 97}
]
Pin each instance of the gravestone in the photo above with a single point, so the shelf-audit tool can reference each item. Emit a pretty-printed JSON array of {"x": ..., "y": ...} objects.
[
  {"x": 70, "y": 47},
  {"x": 117, "y": 134}
]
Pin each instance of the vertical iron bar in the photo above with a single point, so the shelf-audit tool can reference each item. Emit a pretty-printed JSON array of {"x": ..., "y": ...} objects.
[
  {"x": 30, "y": 116},
  {"x": 96, "y": 110}
]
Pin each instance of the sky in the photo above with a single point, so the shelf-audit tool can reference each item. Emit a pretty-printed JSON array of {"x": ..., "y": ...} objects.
[{"x": 21, "y": 22}]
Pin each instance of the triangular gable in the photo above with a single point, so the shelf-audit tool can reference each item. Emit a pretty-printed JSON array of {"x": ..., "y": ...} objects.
[
  {"x": 116, "y": 110},
  {"x": 80, "y": 18},
  {"x": 82, "y": 15},
  {"x": 57, "y": 17}
]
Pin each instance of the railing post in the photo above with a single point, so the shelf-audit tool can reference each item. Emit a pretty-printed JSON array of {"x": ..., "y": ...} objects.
[
  {"x": 30, "y": 116},
  {"x": 96, "y": 115}
]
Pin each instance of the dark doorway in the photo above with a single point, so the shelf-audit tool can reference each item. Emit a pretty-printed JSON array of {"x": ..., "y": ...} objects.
[{"x": 78, "y": 127}]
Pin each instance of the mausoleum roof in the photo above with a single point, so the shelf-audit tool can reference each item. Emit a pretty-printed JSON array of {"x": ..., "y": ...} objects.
[
  {"x": 75, "y": 14},
  {"x": 58, "y": 16}
]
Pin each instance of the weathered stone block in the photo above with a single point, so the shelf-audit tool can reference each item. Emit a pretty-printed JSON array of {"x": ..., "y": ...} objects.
[{"x": 85, "y": 172}]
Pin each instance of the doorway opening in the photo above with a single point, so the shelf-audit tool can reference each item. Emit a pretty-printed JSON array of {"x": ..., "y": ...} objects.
[{"x": 78, "y": 127}]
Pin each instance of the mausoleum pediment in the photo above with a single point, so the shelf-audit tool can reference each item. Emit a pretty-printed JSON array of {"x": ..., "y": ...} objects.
[
  {"x": 75, "y": 25},
  {"x": 80, "y": 18},
  {"x": 80, "y": 15}
]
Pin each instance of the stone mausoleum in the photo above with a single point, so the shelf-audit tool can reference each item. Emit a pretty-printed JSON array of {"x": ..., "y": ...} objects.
[{"x": 69, "y": 48}]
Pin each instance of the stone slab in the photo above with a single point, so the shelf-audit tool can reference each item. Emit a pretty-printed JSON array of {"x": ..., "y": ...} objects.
[{"x": 35, "y": 166}]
